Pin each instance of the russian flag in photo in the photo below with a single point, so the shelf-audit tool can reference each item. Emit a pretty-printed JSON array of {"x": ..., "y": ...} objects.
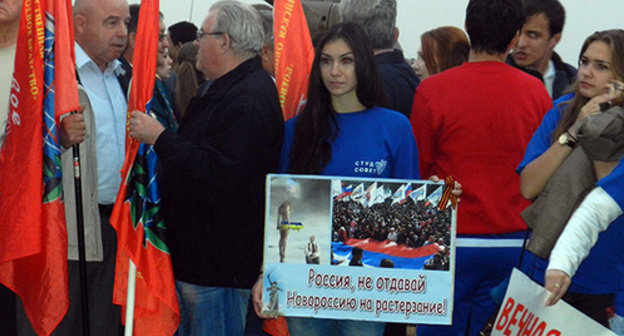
[
  {"x": 346, "y": 191},
  {"x": 375, "y": 251},
  {"x": 408, "y": 191}
]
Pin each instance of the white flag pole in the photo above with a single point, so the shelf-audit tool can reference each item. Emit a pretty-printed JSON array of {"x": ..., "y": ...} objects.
[{"x": 130, "y": 298}]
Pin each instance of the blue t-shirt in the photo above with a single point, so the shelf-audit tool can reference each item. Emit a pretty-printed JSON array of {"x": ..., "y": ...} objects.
[
  {"x": 613, "y": 184},
  {"x": 374, "y": 143},
  {"x": 598, "y": 273}
]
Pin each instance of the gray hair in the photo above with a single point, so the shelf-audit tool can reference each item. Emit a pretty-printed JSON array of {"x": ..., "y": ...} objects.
[
  {"x": 266, "y": 15},
  {"x": 242, "y": 23},
  {"x": 376, "y": 17}
]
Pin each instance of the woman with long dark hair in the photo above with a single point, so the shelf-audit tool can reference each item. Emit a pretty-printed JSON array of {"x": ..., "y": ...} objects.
[{"x": 342, "y": 131}]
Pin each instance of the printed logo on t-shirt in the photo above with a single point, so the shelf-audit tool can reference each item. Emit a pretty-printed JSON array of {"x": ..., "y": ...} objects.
[{"x": 370, "y": 167}]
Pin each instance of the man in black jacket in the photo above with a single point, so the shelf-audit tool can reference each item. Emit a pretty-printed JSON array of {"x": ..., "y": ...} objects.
[
  {"x": 534, "y": 53},
  {"x": 213, "y": 173}
]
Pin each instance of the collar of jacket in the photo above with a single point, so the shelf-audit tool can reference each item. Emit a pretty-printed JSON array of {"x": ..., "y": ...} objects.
[
  {"x": 557, "y": 61},
  {"x": 395, "y": 56},
  {"x": 222, "y": 85},
  {"x": 559, "y": 65},
  {"x": 509, "y": 60}
]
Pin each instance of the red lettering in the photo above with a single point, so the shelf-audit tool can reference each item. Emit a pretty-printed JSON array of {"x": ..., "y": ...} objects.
[
  {"x": 504, "y": 317},
  {"x": 530, "y": 325},
  {"x": 513, "y": 320},
  {"x": 526, "y": 318},
  {"x": 540, "y": 328}
]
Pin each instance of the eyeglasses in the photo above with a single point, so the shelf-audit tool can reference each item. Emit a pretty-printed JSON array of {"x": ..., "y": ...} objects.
[{"x": 201, "y": 34}]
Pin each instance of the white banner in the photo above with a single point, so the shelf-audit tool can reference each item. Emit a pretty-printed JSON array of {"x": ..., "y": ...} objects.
[{"x": 524, "y": 313}]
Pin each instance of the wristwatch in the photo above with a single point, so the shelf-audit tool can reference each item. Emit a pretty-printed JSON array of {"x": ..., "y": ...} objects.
[{"x": 567, "y": 139}]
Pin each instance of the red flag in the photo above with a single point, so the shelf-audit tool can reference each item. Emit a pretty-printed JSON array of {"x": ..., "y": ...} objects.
[
  {"x": 294, "y": 55},
  {"x": 135, "y": 215},
  {"x": 276, "y": 327},
  {"x": 66, "y": 93},
  {"x": 33, "y": 260}
]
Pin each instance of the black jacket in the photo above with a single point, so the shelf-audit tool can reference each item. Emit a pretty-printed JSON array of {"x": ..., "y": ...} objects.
[
  {"x": 565, "y": 74},
  {"x": 213, "y": 178},
  {"x": 398, "y": 80}
]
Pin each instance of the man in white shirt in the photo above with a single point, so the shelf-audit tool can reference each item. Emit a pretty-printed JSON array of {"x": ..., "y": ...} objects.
[{"x": 100, "y": 30}]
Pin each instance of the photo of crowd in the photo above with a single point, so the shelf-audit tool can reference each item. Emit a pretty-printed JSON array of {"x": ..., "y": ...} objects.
[{"x": 398, "y": 217}]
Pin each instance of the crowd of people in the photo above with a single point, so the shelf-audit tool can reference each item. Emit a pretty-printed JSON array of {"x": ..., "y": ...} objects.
[
  {"x": 414, "y": 224},
  {"x": 476, "y": 105}
]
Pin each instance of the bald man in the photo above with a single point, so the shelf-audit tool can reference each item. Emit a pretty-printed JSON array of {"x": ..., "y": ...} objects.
[{"x": 100, "y": 28}]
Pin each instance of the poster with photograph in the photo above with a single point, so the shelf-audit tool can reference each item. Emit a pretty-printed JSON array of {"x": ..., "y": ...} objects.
[{"x": 361, "y": 249}]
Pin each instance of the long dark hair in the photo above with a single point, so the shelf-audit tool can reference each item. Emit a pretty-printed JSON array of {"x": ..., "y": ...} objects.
[
  {"x": 615, "y": 39},
  {"x": 316, "y": 126}
]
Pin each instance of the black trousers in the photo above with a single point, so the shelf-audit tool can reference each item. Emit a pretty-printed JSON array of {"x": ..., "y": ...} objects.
[{"x": 7, "y": 311}]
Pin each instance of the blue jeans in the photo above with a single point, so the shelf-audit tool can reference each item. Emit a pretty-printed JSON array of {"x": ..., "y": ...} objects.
[
  {"x": 208, "y": 311},
  {"x": 308, "y": 326}
]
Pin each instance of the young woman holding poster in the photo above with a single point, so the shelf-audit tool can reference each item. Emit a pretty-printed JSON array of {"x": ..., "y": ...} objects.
[
  {"x": 340, "y": 127},
  {"x": 598, "y": 86}
]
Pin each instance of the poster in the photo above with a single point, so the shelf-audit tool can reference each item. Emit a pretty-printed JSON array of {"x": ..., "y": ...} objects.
[
  {"x": 524, "y": 313},
  {"x": 361, "y": 249}
]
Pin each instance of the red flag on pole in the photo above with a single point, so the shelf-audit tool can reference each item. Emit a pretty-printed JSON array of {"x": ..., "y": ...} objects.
[
  {"x": 66, "y": 93},
  {"x": 294, "y": 55},
  {"x": 136, "y": 216},
  {"x": 33, "y": 260}
]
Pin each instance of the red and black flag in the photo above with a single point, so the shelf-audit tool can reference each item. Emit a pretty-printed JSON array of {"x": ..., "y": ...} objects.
[{"x": 136, "y": 216}]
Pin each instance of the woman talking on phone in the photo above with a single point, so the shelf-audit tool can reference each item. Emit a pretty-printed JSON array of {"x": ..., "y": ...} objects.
[{"x": 597, "y": 88}]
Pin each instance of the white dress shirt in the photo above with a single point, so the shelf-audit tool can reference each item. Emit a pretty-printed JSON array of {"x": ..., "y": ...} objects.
[
  {"x": 549, "y": 77},
  {"x": 110, "y": 110}
]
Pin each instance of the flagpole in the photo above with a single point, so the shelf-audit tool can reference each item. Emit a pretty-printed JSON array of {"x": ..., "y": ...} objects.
[
  {"x": 191, "y": 11},
  {"x": 130, "y": 298},
  {"x": 82, "y": 263}
]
